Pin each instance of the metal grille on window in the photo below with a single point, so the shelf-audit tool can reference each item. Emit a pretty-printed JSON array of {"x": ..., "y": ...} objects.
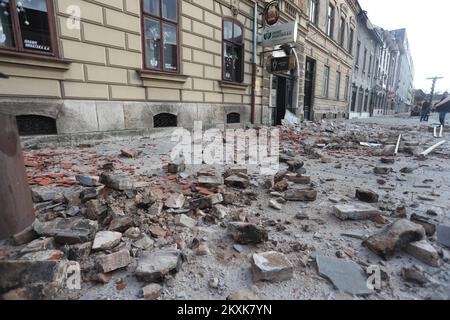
[
  {"x": 165, "y": 120},
  {"x": 233, "y": 117},
  {"x": 30, "y": 125}
]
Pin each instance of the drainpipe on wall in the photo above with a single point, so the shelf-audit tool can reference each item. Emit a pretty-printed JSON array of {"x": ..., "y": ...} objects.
[{"x": 255, "y": 40}]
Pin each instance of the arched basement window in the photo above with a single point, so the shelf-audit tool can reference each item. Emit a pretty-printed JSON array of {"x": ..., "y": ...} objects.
[
  {"x": 233, "y": 117},
  {"x": 165, "y": 120},
  {"x": 30, "y": 125}
]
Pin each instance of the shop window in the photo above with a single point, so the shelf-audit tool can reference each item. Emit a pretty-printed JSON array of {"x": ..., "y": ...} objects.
[
  {"x": 29, "y": 125},
  {"x": 161, "y": 35},
  {"x": 233, "y": 51},
  {"x": 28, "y": 26},
  {"x": 165, "y": 120},
  {"x": 233, "y": 118}
]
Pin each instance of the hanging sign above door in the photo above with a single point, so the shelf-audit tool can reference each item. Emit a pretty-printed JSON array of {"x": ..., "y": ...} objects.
[
  {"x": 282, "y": 64},
  {"x": 272, "y": 12},
  {"x": 280, "y": 34}
]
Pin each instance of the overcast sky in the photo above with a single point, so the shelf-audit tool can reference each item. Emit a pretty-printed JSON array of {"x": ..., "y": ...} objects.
[{"x": 427, "y": 24}]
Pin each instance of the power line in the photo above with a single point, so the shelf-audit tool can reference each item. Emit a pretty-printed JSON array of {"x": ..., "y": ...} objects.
[{"x": 434, "y": 79}]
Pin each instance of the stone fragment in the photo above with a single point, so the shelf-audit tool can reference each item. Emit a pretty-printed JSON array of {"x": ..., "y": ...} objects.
[
  {"x": 298, "y": 179},
  {"x": 407, "y": 170},
  {"x": 44, "y": 279},
  {"x": 44, "y": 194},
  {"x": 304, "y": 195},
  {"x": 95, "y": 209},
  {"x": 73, "y": 211},
  {"x": 67, "y": 231},
  {"x": 379, "y": 219},
  {"x": 427, "y": 223},
  {"x": 302, "y": 216},
  {"x": 235, "y": 181},
  {"x": 443, "y": 235},
  {"x": 396, "y": 236},
  {"x": 415, "y": 274},
  {"x": 132, "y": 233},
  {"x": 346, "y": 276},
  {"x": 106, "y": 240},
  {"x": 144, "y": 243},
  {"x": 247, "y": 233},
  {"x": 382, "y": 170},
  {"x": 121, "y": 223},
  {"x": 275, "y": 205},
  {"x": 25, "y": 236},
  {"x": 184, "y": 221},
  {"x": 295, "y": 165},
  {"x": 425, "y": 252},
  {"x": 72, "y": 195},
  {"x": 114, "y": 261},
  {"x": 219, "y": 211},
  {"x": 243, "y": 295},
  {"x": 154, "y": 266},
  {"x": 388, "y": 150},
  {"x": 102, "y": 278},
  {"x": 213, "y": 283},
  {"x": 88, "y": 180},
  {"x": 210, "y": 181},
  {"x": 367, "y": 195},
  {"x": 46, "y": 255},
  {"x": 152, "y": 291},
  {"x": 79, "y": 252},
  {"x": 175, "y": 201},
  {"x": 386, "y": 160},
  {"x": 90, "y": 193},
  {"x": 130, "y": 153},
  {"x": 280, "y": 176},
  {"x": 157, "y": 232},
  {"x": 281, "y": 186},
  {"x": 203, "y": 249},
  {"x": 39, "y": 245},
  {"x": 271, "y": 266},
  {"x": 354, "y": 211},
  {"x": 235, "y": 171},
  {"x": 178, "y": 165},
  {"x": 206, "y": 202},
  {"x": 117, "y": 182},
  {"x": 156, "y": 209}
]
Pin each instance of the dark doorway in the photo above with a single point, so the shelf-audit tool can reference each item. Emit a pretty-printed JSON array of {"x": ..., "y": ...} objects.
[
  {"x": 310, "y": 67},
  {"x": 283, "y": 86},
  {"x": 281, "y": 99},
  {"x": 165, "y": 120},
  {"x": 30, "y": 125},
  {"x": 233, "y": 118}
]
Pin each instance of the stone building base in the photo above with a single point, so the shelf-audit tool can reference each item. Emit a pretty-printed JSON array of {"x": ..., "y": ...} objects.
[{"x": 85, "y": 116}]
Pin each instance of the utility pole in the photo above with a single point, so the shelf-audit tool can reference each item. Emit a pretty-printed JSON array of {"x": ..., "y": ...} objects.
[{"x": 435, "y": 79}]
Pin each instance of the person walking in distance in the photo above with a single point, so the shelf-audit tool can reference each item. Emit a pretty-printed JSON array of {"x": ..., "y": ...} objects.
[
  {"x": 425, "y": 111},
  {"x": 443, "y": 107}
]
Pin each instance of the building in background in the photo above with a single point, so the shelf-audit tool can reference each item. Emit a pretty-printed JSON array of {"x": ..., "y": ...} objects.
[
  {"x": 404, "y": 79},
  {"x": 329, "y": 49},
  {"x": 365, "y": 67},
  {"x": 386, "y": 74}
]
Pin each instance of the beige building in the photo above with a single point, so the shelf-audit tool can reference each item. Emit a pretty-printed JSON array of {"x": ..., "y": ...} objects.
[
  {"x": 73, "y": 66},
  {"x": 329, "y": 50},
  {"x": 127, "y": 64}
]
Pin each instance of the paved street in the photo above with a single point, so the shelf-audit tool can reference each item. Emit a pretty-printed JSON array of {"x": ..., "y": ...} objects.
[{"x": 217, "y": 264}]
